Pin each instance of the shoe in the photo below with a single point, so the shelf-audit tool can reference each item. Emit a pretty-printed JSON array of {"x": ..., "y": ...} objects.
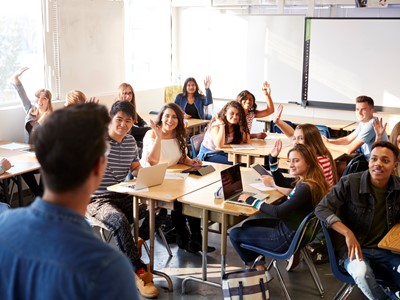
[
  {"x": 319, "y": 253},
  {"x": 293, "y": 261},
  {"x": 195, "y": 244},
  {"x": 145, "y": 284}
]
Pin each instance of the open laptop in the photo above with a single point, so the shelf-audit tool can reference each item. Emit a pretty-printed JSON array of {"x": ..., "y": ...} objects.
[
  {"x": 150, "y": 176},
  {"x": 232, "y": 185}
]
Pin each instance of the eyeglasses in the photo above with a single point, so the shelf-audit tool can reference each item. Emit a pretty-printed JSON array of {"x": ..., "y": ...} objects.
[{"x": 127, "y": 93}]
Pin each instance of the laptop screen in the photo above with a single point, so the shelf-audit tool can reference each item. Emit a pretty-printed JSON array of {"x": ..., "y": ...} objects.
[{"x": 231, "y": 181}]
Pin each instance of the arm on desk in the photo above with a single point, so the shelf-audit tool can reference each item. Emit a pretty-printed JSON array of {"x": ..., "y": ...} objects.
[{"x": 347, "y": 144}]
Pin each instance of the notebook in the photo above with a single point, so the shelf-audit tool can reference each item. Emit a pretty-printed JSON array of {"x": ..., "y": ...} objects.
[
  {"x": 232, "y": 185},
  {"x": 150, "y": 176}
]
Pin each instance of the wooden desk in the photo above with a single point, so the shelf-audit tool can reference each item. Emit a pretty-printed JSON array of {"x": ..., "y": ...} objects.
[
  {"x": 262, "y": 149},
  {"x": 21, "y": 161},
  {"x": 202, "y": 204},
  {"x": 164, "y": 195},
  {"x": 194, "y": 125},
  {"x": 391, "y": 241}
]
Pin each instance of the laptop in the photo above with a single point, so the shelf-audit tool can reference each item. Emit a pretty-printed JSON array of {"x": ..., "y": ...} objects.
[
  {"x": 232, "y": 185},
  {"x": 150, "y": 176}
]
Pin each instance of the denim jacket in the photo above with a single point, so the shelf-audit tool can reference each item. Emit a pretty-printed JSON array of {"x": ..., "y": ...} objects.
[
  {"x": 351, "y": 201},
  {"x": 199, "y": 102}
]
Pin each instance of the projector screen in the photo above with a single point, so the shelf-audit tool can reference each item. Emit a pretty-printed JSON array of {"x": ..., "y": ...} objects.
[{"x": 352, "y": 57}]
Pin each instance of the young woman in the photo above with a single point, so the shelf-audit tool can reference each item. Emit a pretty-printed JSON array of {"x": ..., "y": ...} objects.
[
  {"x": 309, "y": 135},
  {"x": 227, "y": 127},
  {"x": 166, "y": 142},
  {"x": 140, "y": 127},
  {"x": 248, "y": 102},
  {"x": 277, "y": 230},
  {"x": 192, "y": 101},
  {"x": 76, "y": 97}
]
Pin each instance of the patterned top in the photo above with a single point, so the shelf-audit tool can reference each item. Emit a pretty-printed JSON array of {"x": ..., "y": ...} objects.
[
  {"x": 327, "y": 169},
  {"x": 249, "y": 119},
  {"x": 119, "y": 161}
]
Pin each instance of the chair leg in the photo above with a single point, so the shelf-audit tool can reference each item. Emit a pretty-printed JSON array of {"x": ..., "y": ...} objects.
[
  {"x": 161, "y": 233},
  {"x": 274, "y": 263},
  {"x": 313, "y": 271},
  {"x": 344, "y": 292},
  {"x": 256, "y": 261}
]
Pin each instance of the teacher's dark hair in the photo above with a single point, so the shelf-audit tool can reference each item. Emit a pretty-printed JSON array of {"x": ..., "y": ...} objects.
[{"x": 69, "y": 144}]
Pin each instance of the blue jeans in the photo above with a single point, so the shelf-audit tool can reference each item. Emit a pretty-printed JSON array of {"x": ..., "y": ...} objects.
[
  {"x": 213, "y": 156},
  {"x": 376, "y": 264},
  {"x": 273, "y": 235}
]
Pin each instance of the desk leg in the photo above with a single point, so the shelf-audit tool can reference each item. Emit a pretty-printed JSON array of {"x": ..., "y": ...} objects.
[
  {"x": 135, "y": 219},
  {"x": 152, "y": 215},
  {"x": 19, "y": 186},
  {"x": 4, "y": 183},
  {"x": 224, "y": 241}
]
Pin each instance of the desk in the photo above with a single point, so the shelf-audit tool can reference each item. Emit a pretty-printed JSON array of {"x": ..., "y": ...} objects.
[
  {"x": 22, "y": 162},
  {"x": 391, "y": 241},
  {"x": 164, "y": 195},
  {"x": 202, "y": 204},
  {"x": 194, "y": 126},
  {"x": 262, "y": 149}
]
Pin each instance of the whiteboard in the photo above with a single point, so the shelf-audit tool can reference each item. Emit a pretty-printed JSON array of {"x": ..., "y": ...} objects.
[
  {"x": 241, "y": 51},
  {"x": 353, "y": 57}
]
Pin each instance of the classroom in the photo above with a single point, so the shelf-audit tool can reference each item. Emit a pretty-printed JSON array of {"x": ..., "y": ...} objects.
[{"x": 305, "y": 64}]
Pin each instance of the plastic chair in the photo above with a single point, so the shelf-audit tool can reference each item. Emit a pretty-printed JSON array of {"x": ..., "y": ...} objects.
[
  {"x": 195, "y": 143},
  {"x": 153, "y": 112},
  {"x": 339, "y": 272},
  {"x": 358, "y": 164},
  {"x": 324, "y": 130},
  {"x": 275, "y": 129},
  {"x": 304, "y": 235}
]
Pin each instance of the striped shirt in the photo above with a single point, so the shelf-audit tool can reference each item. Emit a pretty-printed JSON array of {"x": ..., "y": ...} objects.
[
  {"x": 118, "y": 163},
  {"x": 327, "y": 169}
]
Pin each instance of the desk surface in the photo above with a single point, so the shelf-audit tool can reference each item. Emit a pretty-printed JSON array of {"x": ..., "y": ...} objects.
[{"x": 391, "y": 241}]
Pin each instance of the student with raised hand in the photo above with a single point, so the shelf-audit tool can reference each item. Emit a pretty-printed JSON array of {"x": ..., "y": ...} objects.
[
  {"x": 227, "y": 127},
  {"x": 360, "y": 209},
  {"x": 363, "y": 136},
  {"x": 276, "y": 230},
  {"x": 115, "y": 210},
  {"x": 192, "y": 101},
  {"x": 140, "y": 127},
  {"x": 55, "y": 254},
  {"x": 166, "y": 143},
  {"x": 76, "y": 97},
  {"x": 248, "y": 102}
]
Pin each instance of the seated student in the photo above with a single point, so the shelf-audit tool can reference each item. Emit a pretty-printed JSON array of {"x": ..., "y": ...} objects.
[
  {"x": 361, "y": 209},
  {"x": 227, "y": 127},
  {"x": 380, "y": 129},
  {"x": 140, "y": 127},
  {"x": 55, "y": 254},
  {"x": 248, "y": 102},
  {"x": 116, "y": 210},
  {"x": 276, "y": 231},
  {"x": 363, "y": 136},
  {"x": 192, "y": 101},
  {"x": 4, "y": 165},
  {"x": 309, "y": 135},
  {"x": 166, "y": 142},
  {"x": 76, "y": 97}
]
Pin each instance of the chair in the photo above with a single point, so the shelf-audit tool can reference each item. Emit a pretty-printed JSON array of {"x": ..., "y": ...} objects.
[
  {"x": 324, "y": 130},
  {"x": 171, "y": 91},
  {"x": 153, "y": 112},
  {"x": 275, "y": 129},
  {"x": 195, "y": 143},
  {"x": 358, "y": 164},
  {"x": 304, "y": 235},
  {"x": 339, "y": 272}
]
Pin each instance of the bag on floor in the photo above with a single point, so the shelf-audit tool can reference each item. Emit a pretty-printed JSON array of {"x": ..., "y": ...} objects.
[{"x": 245, "y": 284}]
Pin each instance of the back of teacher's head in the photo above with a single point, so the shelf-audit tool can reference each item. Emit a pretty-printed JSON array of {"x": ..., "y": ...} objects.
[{"x": 69, "y": 144}]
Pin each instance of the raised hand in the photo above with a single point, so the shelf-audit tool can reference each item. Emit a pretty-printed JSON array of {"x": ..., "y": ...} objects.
[
  {"x": 266, "y": 88},
  {"x": 157, "y": 129},
  {"x": 277, "y": 148},
  {"x": 207, "y": 82},
  {"x": 278, "y": 113},
  {"x": 15, "y": 77},
  {"x": 92, "y": 100},
  {"x": 379, "y": 128}
]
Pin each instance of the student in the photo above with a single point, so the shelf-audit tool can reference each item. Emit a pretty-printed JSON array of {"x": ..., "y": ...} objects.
[
  {"x": 55, "y": 254},
  {"x": 380, "y": 129},
  {"x": 361, "y": 209},
  {"x": 248, "y": 102},
  {"x": 166, "y": 142},
  {"x": 140, "y": 127},
  {"x": 4, "y": 165},
  {"x": 192, "y": 101},
  {"x": 227, "y": 127},
  {"x": 309, "y": 135},
  {"x": 363, "y": 136},
  {"x": 277, "y": 230},
  {"x": 76, "y": 97},
  {"x": 116, "y": 210}
]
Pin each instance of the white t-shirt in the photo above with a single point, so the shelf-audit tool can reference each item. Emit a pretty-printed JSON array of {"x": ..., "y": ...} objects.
[{"x": 170, "y": 152}]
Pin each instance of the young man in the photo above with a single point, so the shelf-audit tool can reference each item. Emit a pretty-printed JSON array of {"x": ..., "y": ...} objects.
[
  {"x": 362, "y": 207},
  {"x": 48, "y": 250},
  {"x": 364, "y": 135},
  {"x": 116, "y": 210}
]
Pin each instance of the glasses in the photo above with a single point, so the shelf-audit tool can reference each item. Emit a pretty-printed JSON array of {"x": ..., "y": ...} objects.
[{"x": 127, "y": 93}]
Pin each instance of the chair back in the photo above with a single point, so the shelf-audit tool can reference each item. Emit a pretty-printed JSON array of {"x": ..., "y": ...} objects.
[
  {"x": 324, "y": 130},
  {"x": 171, "y": 91},
  {"x": 275, "y": 129},
  {"x": 358, "y": 164},
  {"x": 3, "y": 207},
  {"x": 195, "y": 143},
  {"x": 340, "y": 273}
]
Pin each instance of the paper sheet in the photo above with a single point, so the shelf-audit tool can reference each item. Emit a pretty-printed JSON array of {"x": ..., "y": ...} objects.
[
  {"x": 178, "y": 176},
  {"x": 261, "y": 187},
  {"x": 14, "y": 146}
]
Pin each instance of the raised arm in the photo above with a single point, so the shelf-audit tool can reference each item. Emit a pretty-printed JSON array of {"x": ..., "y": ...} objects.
[
  {"x": 153, "y": 151},
  {"x": 286, "y": 128},
  {"x": 16, "y": 82},
  {"x": 270, "y": 104},
  {"x": 379, "y": 128}
]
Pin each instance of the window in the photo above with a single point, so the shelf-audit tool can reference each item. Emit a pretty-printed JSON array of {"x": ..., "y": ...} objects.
[{"x": 21, "y": 44}]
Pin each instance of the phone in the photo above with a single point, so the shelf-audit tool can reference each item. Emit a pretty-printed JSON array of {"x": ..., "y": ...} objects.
[{"x": 260, "y": 169}]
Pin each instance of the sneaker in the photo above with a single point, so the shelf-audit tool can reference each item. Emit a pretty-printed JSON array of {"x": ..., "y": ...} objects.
[
  {"x": 293, "y": 261},
  {"x": 145, "y": 284}
]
